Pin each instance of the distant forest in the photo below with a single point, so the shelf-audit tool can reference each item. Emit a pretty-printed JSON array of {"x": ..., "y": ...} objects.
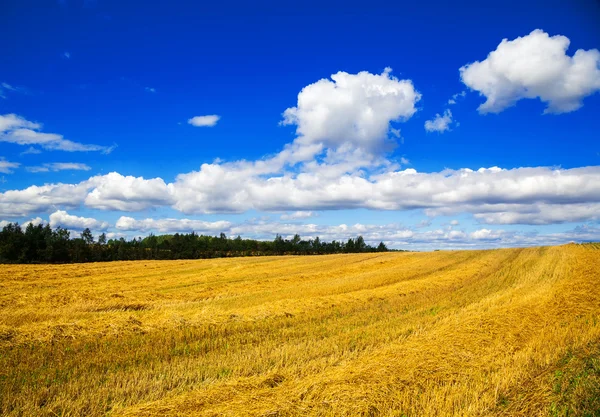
[{"x": 42, "y": 244}]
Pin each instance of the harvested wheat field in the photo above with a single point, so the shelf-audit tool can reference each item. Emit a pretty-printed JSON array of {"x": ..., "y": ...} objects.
[{"x": 452, "y": 333}]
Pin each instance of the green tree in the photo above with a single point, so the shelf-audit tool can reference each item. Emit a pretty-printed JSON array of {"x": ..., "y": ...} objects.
[
  {"x": 360, "y": 245},
  {"x": 60, "y": 245},
  {"x": 12, "y": 240},
  {"x": 317, "y": 245},
  {"x": 279, "y": 245},
  {"x": 350, "y": 245},
  {"x": 87, "y": 236}
]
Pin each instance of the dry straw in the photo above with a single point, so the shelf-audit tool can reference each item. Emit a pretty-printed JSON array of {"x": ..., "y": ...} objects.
[{"x": 467, "y": 333}]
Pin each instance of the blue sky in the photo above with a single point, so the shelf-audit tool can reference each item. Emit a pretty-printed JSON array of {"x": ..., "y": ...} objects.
[{"x": 98, "y": 100}]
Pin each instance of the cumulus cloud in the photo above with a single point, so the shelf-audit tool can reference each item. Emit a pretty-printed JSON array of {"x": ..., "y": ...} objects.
[
  {"x": 343, "y": 125},
  {"x": 539, "y": 214},
  {"x": 36, "y": 199},
  {"x": 65, "y": 220},
  {"x": 394, "y": 235},
  {"x": 495, "y": 238},
  {"x": 204, "y": 121},
  {"x": 171, "y": 225},
  {"x": 266, "y": 230},
  {"x": 440, "y": 123},
  {"x": 354, "y": 109},
  {"x": 15, "y": 129},
  {"x": 488, "y": 190},
  {"x": 7, "y": 167},
  {"x": 114, "y": 191},
  {"x": 35, "y": 221},
  {"x": 336, "y": 162},
  {"x": 298, "y": 215},
  {"x": 486, "y": 234},
  {"x": 59, "y": 166},
  {"x": 115, "y": 235},
  {"x": 534, "y": 66},
  {"x": 493, "y": 195},
  {"x": 371, "y": 233}
]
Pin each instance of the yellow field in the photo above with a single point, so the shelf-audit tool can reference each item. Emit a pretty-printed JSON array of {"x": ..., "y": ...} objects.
[{"x": 464, "y": 333}]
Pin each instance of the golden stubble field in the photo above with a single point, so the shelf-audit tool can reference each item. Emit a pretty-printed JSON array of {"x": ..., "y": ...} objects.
[{"x": 452, "y": 333}]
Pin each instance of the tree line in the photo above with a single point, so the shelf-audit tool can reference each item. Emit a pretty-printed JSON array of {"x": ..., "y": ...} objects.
[{"x": 43, "y": 244}]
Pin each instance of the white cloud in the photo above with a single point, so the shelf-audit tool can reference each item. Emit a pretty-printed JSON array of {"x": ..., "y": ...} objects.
[
  {"x": 15, "y": 129},
  {"x": 35, "y": 221},
  {"x": 59, "y": 166},
  {"x": 115, "y": 235},
  {"x": 440, "y": 123},
  {"x": 371, "y": 233},
  {"x": 5, "y": 87},
  {"x": 335, "y": 163},
  {"x": 489, "y": 190},
  {"x": 534, "y": 66},
  {"x": 67, "y": 55},
  {"x": 342, "y": 125},
  {"x": 539, "y": 214},
  {"x": 298, "y": 215},
  {"x": 31, "y": 151},
  {"x": 394, "y": 235},
  {"x": 265, "y": 230},
  {"x": 485, "y": 234},
  {"x": 12, "y": 121},
  {"x": 456, "y": 234},
  {"x": 423, "y": 223},
  {"x": 37, "y": 199},
  {"x": 353, "y": 109},
  {"x": 488, "y": 238},
  {"x": 37, "y": 169},
  {"x": 492, "y": 195},
  {"x": 396, "y": 133},
  {"x": 114, "y": 191},
  {"x": 62, "y": 166},
  {"x": 63, "y": 219},
  {"x": 454, "y": 223},
  {"x": 204, "y": 121},
  {"x": 456, "y": 96},
  {"x": 171, "y": 225},
  {"x": 150, "y": 89},
  {"x": 7, "y": 167}
]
